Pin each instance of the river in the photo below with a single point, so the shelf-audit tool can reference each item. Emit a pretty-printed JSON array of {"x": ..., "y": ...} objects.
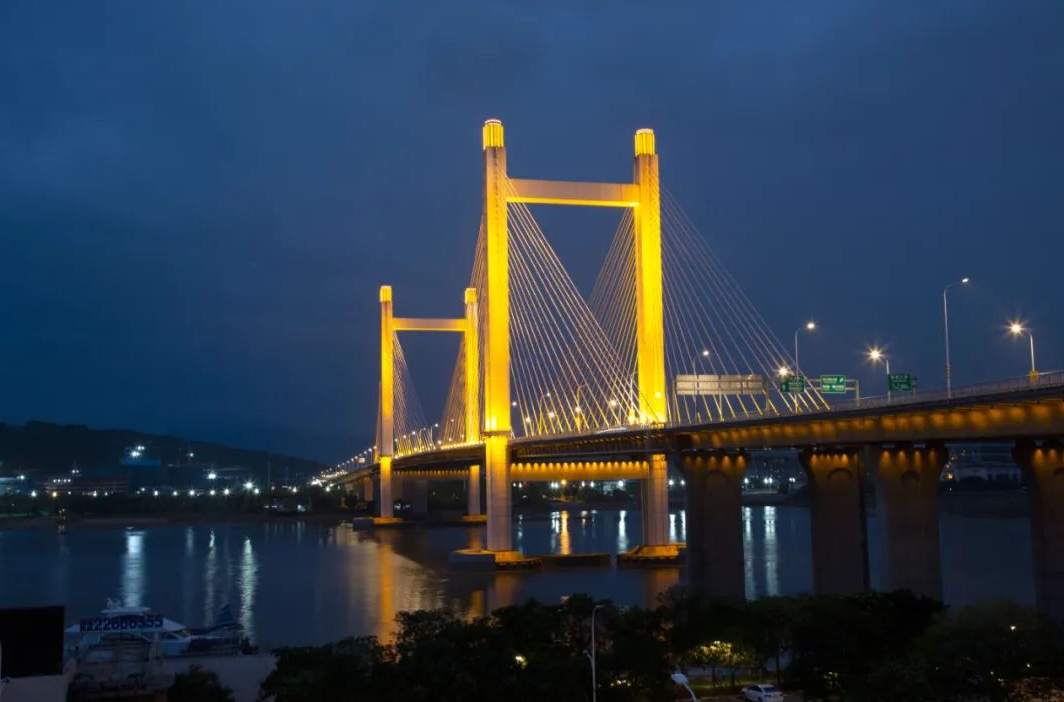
[{"x": 297, "y": 582}]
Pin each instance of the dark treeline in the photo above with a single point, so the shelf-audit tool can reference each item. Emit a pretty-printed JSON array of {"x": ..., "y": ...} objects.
[
  {"x": 41, "y": 449},
  {"x": 868, "y": 647}
]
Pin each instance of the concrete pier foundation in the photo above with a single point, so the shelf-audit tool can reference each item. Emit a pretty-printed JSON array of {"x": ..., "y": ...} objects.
[
  {"x": 1043, "y": 475},
  {"x": 655, "y": 511},
  {"x": 499, "y": 494},
  {"x": 715, "y": 564},
  {"x": 384, "y": 485},
  {"x": 837, "y": 520},
  {"x": 906, "y": 482},
  {"x": 473, "y": 492}
]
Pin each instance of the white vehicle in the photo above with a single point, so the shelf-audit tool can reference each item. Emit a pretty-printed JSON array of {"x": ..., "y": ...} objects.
[
  {"x": 132, "y": 625},
  {"x": 763, "y": 693}
]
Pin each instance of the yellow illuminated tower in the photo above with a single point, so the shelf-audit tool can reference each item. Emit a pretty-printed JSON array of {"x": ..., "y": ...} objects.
[
  {"x": 390, "y": 324},
  {"x": 644, "y": 197},
  {"x": 497, "y": 344},
  {"x": 386, "y": 441}
]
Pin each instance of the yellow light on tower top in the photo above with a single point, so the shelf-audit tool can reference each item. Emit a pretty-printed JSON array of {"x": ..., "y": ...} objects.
[
  {"x": 493, "y": 134},
  {"x": 386, "y": 293},
  {"x": 644, "y": 142}
]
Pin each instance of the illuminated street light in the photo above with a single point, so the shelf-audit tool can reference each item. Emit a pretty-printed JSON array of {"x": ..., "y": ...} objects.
[
  {"x": 783, "y": 371},
  {"x": 945, "y": 325},
  {"x": 810, "y": 327},
  {"x": 1017, "y": 329},
  {"x": 875, "y": 355}
]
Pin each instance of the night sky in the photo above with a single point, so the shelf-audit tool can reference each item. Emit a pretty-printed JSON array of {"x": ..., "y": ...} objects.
[{"x": 199, "y": 199}]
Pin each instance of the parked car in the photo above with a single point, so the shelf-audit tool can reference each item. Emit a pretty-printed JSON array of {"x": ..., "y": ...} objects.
[{"x": 763, "y": 693}]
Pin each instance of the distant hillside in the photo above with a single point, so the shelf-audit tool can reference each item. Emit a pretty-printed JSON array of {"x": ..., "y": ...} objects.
[{"x": 40, "y": 448}]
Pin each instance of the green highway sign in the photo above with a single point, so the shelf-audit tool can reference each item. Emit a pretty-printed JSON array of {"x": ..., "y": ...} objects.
[
  {"x": 899, "y": 382},
  {"x": 792, "y": 383},
  {"x": 833, "y": 384}
]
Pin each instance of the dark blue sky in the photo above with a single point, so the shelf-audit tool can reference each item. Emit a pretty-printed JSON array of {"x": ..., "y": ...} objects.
[{"x": 198, "y": 199}]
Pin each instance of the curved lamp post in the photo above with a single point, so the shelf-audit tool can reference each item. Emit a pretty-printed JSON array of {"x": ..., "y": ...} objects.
[
  {"x": 1017, "y": 329},
  {"x": 945, "y": 324},
  {"x": 810, "y": 327}
]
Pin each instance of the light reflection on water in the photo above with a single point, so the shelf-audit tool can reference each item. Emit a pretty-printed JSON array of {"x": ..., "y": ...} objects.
[
  {"x": 305, "y": 582},
  {"x": 133, "y": 569}
]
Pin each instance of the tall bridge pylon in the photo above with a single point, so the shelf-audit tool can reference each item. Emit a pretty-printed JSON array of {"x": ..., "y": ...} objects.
[
  {"x": 390, "y": 325},
  {"x": 642, "y": 196}
]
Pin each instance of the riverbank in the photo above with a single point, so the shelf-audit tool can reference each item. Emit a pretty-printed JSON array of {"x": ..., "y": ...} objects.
[
  {"x": 80, "y": 523},
  {"x": 1005, "y": 504}
]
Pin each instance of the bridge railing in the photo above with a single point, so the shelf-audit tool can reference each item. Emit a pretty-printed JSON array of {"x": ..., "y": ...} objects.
[
  {"x": 992, "y": 387},
  {"x": 1016, "y": 384},
  {"x": 896, "y": 399}
]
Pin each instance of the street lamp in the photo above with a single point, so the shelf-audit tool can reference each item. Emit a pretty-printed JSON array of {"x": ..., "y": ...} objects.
[
  {"x": 1017, "y": 329},
  {"x": 594, "y": 685},
  {"x": 704, "y": 353},
  {"x": 875, "y": 355},
  {"x": 694, "y": 371},
  {"x": 681, "y": 679},
  {"x": 810, "y": 327},
  {"x": 945, "y": 324}
]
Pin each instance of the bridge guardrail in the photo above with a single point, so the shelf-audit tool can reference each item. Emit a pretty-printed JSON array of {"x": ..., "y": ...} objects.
[
  {"x": 1042, "y": 380},
  {"x": 898, "y": 399}
]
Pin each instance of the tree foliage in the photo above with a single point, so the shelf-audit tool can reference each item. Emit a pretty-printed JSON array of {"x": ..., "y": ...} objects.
[
  {"x": 198, "y": 685},
  {"x": 868, "y": 646}
]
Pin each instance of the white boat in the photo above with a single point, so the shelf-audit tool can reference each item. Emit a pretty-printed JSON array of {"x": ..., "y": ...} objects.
[{"x": 117, "y": 626}]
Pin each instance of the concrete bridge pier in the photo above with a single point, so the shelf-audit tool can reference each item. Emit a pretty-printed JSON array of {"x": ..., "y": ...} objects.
[
  {"x": 837, "y": 520},
  {"x": 655, "y": 508},
  {"x": 499, "y": 537},
  {"x": 367, "y": 490},
  {"x": 1043, "y": 475},
  {"x": 473, "y": 492},
  {"x": 715, "y": 564},
  {"x": 906, "y": 481}
]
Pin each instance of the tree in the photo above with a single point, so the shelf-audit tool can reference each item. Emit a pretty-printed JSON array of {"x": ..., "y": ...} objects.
[
  {"x": 327, "y": 673},
  {"x": 633, "y": 659},
  {"x": 990, "y": 650},
  {"x": 198, "y": 685},
  {"x": 838, "y": 640},
  {"x": 769, "y": 628}
]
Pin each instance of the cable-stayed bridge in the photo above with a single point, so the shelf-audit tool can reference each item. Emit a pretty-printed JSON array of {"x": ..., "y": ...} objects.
[{"x": 668, "y": 361}]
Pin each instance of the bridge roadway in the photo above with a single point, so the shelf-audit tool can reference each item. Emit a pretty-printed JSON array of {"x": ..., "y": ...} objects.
[{"x": 897, "y": 443}]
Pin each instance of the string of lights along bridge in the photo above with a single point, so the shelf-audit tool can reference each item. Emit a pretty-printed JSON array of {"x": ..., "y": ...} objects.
[{"x": 667, "y": 361}]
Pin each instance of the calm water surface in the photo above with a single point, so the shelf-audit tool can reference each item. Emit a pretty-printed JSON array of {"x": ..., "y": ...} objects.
[{"x": 305, "y": 582}]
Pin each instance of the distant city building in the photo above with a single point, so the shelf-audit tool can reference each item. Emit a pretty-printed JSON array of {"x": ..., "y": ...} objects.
[
  {"x": 989, "y": 462},
  {"x": 77, "y": 484},
  {"x": 14, "y": 485}
]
